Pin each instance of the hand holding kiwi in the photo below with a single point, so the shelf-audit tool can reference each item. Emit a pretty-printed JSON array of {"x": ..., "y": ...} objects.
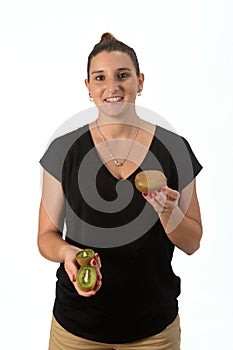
[
  {"x": 148, "y": 181},
  {"x": 86, "y": 277}
]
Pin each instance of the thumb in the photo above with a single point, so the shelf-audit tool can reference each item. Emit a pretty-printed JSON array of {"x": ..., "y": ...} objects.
[
  {"x": 74, "y": 275},
  {"x": 72, "y": 270}
]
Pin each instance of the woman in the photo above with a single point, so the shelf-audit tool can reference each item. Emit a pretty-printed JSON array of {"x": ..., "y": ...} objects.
[{"x": 88, "y": 183}]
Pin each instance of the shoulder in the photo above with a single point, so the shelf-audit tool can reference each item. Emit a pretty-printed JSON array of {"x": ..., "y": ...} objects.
[
  {"x": 168, "y": 133},
  {"x": 172, "y": 140},
  {"x": 186, "y": 163},
  {"x": 57, "y": 150},
  {"x": 161, "y": 132},
  {"x": 65, "y": 141}
]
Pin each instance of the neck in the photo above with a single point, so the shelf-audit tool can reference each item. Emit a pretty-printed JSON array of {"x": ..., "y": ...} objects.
[
  {"x": 119, "y": 125},
  {"x": 113, "y": 129}
]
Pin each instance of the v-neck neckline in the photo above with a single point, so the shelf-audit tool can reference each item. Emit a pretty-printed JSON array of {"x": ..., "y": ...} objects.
[{"x": 135, "y": 170}]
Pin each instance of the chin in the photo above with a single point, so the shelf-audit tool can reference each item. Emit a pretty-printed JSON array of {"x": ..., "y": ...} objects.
[{"x": 116, "y": 110}]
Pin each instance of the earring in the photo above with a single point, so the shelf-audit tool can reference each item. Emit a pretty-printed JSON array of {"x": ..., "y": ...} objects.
[
  {"x": 90, "y": 98},
  {"x": 139, "y": 93}
]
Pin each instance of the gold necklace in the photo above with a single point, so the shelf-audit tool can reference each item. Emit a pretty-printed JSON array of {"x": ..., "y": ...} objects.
[{"x": 115, "y": 161}]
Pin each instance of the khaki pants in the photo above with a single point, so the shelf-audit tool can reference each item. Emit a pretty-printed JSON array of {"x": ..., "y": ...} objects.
[{"x": 169, "y": 339}]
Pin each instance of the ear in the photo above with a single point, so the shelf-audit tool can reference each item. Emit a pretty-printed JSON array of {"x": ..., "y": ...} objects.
[
  {"x": 141, "y": 81},
  {"x": 87, "y": 84}
]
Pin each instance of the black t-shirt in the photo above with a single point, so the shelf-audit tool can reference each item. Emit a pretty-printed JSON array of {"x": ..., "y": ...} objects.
[{"x": 139, "y": 294}]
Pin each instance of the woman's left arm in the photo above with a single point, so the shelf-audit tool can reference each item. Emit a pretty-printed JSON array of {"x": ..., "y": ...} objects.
[{"x": 182, "y": 223}]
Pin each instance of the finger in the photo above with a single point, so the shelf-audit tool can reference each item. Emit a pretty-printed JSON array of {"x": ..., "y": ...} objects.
[
  {"x": 165, "y": 202},
  {"x": 172, "y": 194},
  {"x": 149, "y": 196},
  {"x": 170, "y": 204},
  {"x": 72, "y": 272},
  {"x": 96, "y": 266},
  {"x": 98, "y": 283},
  {"x": 151, "y": 199},
  {"x": 159, "y": 197},
  {"x": 161, "y": 203},
  {"x": 90, "y": 293},
  {"x": 97, "y": 258}
]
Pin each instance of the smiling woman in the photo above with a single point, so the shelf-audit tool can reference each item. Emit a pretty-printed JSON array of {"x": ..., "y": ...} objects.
[
  {"x": 136, "y": 304},
  {"x": 117, "y": 82},
  {"x": 113, "y": 73}
]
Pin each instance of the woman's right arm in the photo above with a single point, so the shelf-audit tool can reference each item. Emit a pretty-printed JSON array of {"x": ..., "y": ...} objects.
[
  {"x": 50, "y": 242},
  {"x": 51, "y": 219}
]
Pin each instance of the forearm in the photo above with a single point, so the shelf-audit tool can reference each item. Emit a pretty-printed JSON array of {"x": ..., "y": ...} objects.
[
  {"x": 184, "y": 232},
  {"x": 52, "y": 246}
]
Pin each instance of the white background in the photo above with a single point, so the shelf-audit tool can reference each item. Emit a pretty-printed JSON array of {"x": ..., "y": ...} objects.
[{"x": 185, "y": 49}]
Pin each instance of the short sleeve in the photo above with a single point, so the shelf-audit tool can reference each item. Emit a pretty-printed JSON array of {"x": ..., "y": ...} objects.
[
  {"x": 193, "y": 164},
  {"x": 54, "y": 157},
  {"x": 185, "y": 165}
]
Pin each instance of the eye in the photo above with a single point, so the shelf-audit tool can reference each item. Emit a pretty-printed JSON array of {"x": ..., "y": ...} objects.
[
  {"x": 123, "y": 75},
  {"x": 99, "y": 77}
]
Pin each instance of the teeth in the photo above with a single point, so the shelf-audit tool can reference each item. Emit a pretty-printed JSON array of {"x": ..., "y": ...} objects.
[{"x": 113, "y": 99}]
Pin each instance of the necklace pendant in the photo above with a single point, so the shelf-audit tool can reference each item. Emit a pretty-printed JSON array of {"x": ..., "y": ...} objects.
[{"x": 117, "y": 163}]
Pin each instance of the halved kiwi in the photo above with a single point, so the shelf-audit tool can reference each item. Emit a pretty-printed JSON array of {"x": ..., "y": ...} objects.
[
  {"x": 148, "y": 181},
  {"x": 84, "y": 256},
  {"x": 86, "y": 278}
]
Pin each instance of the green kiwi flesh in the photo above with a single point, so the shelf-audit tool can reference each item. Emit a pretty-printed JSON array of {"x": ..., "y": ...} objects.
[
  {"x": 84, "y": 256},
  {"x": 86, "y": 278}
]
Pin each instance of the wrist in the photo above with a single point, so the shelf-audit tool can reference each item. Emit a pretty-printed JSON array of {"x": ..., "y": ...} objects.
[
  {"x": 68, "y": 249},
  {"x": 172, "y": 219},
  {"x": 166, "y": 213},
  {"x": 63, "y": 250}
]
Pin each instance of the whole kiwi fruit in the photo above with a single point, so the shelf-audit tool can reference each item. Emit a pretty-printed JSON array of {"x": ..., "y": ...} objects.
[
  {"x": 148, "y": 181},
  {"x": 86, "y": 278}
]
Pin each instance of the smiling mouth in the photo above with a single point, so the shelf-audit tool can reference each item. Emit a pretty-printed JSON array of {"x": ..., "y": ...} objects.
[{"x": 114, "y": 99}]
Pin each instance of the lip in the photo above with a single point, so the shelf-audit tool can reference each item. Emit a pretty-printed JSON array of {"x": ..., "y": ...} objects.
[{"x": 114, "y": 99}]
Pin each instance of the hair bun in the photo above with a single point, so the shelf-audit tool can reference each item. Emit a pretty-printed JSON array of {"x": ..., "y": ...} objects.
[{"x": 107, "y": 37}]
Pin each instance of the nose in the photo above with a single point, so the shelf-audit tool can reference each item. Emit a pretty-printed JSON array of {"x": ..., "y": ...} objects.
[{"x": 112, "y": 85}]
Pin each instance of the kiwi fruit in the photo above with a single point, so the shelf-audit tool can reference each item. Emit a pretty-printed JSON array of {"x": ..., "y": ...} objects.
[
  {"x": 148, "y": 181},
  {"x": 84, "y": 256},
  {"x": 86, "y": 278}
]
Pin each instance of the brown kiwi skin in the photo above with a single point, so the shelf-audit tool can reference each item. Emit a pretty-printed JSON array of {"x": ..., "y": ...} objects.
[
  {"x": 85, "y": 261},
  {"x": 148, "y": 181},
  {"x": 93, "y": 272}
]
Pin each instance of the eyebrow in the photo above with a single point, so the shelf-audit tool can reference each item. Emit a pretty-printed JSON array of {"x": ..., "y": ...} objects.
[{"x": 118, "y": 69}]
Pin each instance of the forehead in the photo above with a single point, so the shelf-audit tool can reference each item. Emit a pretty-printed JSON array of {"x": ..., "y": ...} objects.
[{"x": 114, "y": 59}]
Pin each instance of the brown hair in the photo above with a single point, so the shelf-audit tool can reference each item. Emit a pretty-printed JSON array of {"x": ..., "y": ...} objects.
[{"x": 109, "y": 43}]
